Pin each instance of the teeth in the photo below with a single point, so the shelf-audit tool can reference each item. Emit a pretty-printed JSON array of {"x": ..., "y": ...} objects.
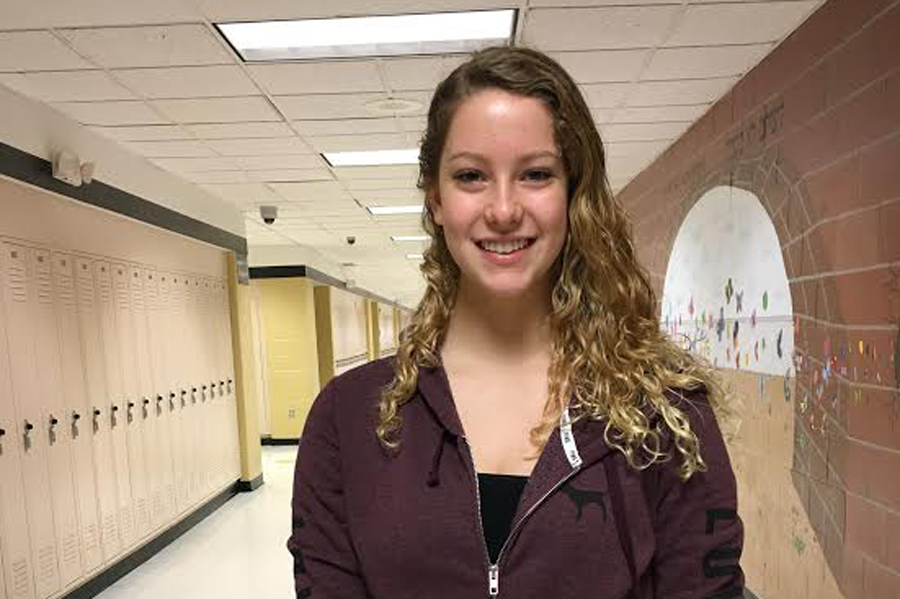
[{"x": 505, "y": 247}]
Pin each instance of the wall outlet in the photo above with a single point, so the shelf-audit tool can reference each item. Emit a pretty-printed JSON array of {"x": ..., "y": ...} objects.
[{"x": 292, "y": 413}]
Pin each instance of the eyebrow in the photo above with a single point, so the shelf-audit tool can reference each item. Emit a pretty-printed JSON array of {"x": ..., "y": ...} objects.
[{"x": 525, "y": 158}]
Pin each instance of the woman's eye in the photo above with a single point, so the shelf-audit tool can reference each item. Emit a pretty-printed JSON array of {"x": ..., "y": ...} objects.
[
  {"x": 467, "y": 176},
  {"x": 538, "y": 175}
]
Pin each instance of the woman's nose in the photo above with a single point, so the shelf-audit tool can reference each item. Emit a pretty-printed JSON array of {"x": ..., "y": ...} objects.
[{"x": 503, "y": 209}]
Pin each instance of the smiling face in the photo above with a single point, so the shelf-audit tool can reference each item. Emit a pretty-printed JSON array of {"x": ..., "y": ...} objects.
[{"x": 501, "y": 193}]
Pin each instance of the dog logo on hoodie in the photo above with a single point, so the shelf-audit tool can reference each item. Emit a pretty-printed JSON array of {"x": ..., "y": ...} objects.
[{"x": 582, "y": 498}]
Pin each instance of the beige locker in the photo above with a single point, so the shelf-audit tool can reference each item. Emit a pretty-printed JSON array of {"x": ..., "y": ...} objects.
[
  {"x": 225, "y": 369},
  {"x": 170, "y": 296},
  {"x": 115, "y": 400},
  {"x": 164, "y": 398},
  {"x": 50, "y": 394},
  {"x": 15, "y": 545},
  {"x": 76, "y": 419},
  {"x": 131, "y": 399},
  {"x": 97, "y": 416},
  {"x": 184, "y": 350},
  {"x": 19, "y": 299},
  {"x": 2, "y": 578},
  {"x": 215, "y": 340},
  {"x": 198, "y": 378},
  {"x": 216, "y": 421},
  {"x": 145, "y": 392}
]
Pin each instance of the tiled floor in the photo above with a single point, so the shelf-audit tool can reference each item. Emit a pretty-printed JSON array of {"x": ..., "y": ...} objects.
[{"x": 238, "y": 552}]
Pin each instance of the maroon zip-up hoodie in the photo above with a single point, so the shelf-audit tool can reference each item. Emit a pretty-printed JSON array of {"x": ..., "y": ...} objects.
[{"x": 371, "y": 525}]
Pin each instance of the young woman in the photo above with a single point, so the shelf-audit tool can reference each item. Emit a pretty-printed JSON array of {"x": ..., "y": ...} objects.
[{"x": 536, "y": 435}]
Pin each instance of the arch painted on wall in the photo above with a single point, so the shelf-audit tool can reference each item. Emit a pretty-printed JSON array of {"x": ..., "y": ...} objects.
[{"x": 726, "y": 295}]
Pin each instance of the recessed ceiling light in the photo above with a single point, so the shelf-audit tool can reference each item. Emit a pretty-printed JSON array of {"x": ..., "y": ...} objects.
[
  {"x": 410, "y": 237},
  {"x": 382, "y": 210},
  {"x": 415, "y": 256},
  {"x": 394, "y": 35},
  {"x": 373, "y": 157},
  {"x": 393, "y": 106}
]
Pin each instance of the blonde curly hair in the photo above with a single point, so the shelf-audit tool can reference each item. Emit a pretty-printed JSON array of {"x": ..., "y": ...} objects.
[{"x": 610, "y": 359}]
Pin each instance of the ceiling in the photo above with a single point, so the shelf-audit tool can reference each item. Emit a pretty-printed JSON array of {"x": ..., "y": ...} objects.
[{"x": 157, "y": 78}]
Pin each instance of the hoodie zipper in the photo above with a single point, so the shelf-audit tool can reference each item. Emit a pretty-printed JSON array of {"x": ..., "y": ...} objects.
[{"x": 494, "y": 568}]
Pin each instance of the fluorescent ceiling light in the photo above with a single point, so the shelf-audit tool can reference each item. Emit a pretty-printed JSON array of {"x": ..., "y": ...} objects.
[
  {"x": 415, "y": 256},
  {"x": 373, "y": 157},
  {"x": 435, "y": 33},
  {"x": 382, "y": 210},
  {"x": 410, "y": 237}
]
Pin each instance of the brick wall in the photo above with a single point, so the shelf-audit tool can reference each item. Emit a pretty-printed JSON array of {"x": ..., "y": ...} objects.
[{"x": 814, "y": 132}]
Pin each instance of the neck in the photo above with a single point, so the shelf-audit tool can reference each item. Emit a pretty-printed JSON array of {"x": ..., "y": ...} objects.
[{"x": 487, "y": 329}]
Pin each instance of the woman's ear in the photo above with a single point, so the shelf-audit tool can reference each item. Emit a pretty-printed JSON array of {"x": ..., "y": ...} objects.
[{"x": 434, "y": 202}]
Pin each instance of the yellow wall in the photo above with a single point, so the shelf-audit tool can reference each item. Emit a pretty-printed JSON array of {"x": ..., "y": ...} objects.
[
  {"x": 291, "y": 352},
  {"x": 244, "y": 375},
  {"x": 372, "y": 341},
  {"x": 324, "y": 336}
]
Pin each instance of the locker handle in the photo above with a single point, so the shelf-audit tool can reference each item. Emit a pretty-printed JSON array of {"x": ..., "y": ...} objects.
[
  {"x": 96, "y": 412},
  {"x": 130, "y": 404},
  {"x": 146, "y": 401},
  {"x": 159, "y": 398},
  {"x": 53, "y": 421},
  {"x": 115, "y": 408},
  {"x": 28, "y": 427},
  {"x": 76, "y": 416},
  {"x": 2, "y": 432}
]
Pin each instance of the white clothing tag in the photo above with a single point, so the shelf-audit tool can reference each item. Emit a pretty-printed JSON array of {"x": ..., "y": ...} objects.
[{"x": 570, "y": 448}]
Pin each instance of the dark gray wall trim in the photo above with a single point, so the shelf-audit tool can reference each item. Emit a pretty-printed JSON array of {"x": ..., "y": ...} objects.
[
  {"x": 748, "y": 594},
  {"x": 271, "y": 441},
  {"x": 105, "y": 579},
  {"x": 25, "y": 167},
  {"x": 245, "y": 486},
  {"x": 286, "y": 272}
]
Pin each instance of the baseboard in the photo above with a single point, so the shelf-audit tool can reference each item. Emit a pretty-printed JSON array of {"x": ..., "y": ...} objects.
[
  {"x": 271, "y": 441},
  {"x": 106, "y": 578},
  {"x": 245, "y": 486}
]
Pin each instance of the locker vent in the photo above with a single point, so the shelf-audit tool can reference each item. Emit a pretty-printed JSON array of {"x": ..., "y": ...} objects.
[
  {"x": 143, "y": 517},
  {"x": 70, "y": 549},
  {"x": 47, "y": 563},
  {"x": 21, "y": 578},
  {"x": 86, "y": 295},
  {"x": 127, "y": 523},
  {"x": 18, "y": 283},
  {"x": 109, "y": 529},
  {"x": 44, "y": 287},
  {"x": 137, "y": 297},
  {"x": 89, "y": 536},
  {"x": 105, "y": 290},
  {"x": 122, "y": 294},
  {"x": 66, "y": 289}
]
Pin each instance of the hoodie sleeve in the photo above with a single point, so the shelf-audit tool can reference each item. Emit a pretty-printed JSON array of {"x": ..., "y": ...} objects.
[
  {"x": 325, "y": 564},
  {"x": 699, "y": 536}
]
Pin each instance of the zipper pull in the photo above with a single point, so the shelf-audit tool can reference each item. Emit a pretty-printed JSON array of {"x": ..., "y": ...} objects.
[{"x": 494, "y": 580}]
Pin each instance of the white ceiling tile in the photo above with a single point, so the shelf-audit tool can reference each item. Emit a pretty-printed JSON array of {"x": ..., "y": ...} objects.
[
  {"x": 415, "y": 124},
  {"x": 635, "y": 149},
  {"x": 148, "y": 133},
  {"x": 649, "y": 114},
  {"x": 217, "y": 177},
  {"x": 267, "y": 163},
  {"x": 598, "y": 28},
  {"x": 348, "y": 126},
  {"x": 685, "y": 91},
  {"x": 240, "y": 130},
  {"x": 259, "y": 146},
  {"x": 377, "y": 172},
  {"x": 36, "y": 51},
  {"x": 111, "y": 113},
  {"x": 704, "y": 62},
  {"x": 241, "y": 10},
  {"x": 372, "y": 184},
  {"x": 604, "y": 95},
  {"x": 170, "y": 149},
  {"x": 180, "y": 165},
  {"x": 739, "y": 23},
  {"x": 601, "y": 66},
  {"x": 419, "y": 73},
  {"x": 264, "y": 239},
  {"x": 67, "y": 86},
  {"x": 93, "y": 13},
  {"x": 218, "y": 110},
  {"x": 358, "y": 143},
  {"x": 342, "y": 106},
  {"x": 290, "y": 175},
  {"x": 310, "y": 191},
  {"x": 327, "y": 77},
  {"x": 158, "y": 46},
  {"x": 389, "y": 197},
  {"x": 568, "y": 3},
  {"x": 188, "y": 82},
  {"x": 254, "y": 192},
  {"x": 643, "y": 131}
]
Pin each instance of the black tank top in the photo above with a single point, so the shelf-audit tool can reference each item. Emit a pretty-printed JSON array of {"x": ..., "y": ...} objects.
[{"x": 500, "y": 494}]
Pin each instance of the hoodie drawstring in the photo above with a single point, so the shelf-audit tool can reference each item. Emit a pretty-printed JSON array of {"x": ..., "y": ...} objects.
[{"x": 434, "y": 477}]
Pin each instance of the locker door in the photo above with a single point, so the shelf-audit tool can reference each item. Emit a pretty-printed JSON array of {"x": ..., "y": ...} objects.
[
  {"x": 210, "y": 336},
  {"x": 97, "y": 415},
  {"x": 115, "y": 400},
  {"x": 133, "y": 424},
  {"x": 226, "y": 358},
  {"x": 75, "y": 418},
  {"x": 170, "y": 297},
  {"x": 59, "y": 443},
  {"x": 164, "y": 404},
  {"x": 19, "y": 292},
  {"x": 2, "y": 579},
  {"x": 227, "y": 420},
  {"x": 14, "y": 541},
  {"x": 145, "y": 411},
  {"x": 207, "y": 417},
  {"x": 190, "y": 353}
]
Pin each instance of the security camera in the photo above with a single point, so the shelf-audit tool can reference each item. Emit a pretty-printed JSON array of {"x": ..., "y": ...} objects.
[
  {"x": 268, "y": 214},
  {"x": 351, "y": 240}
]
